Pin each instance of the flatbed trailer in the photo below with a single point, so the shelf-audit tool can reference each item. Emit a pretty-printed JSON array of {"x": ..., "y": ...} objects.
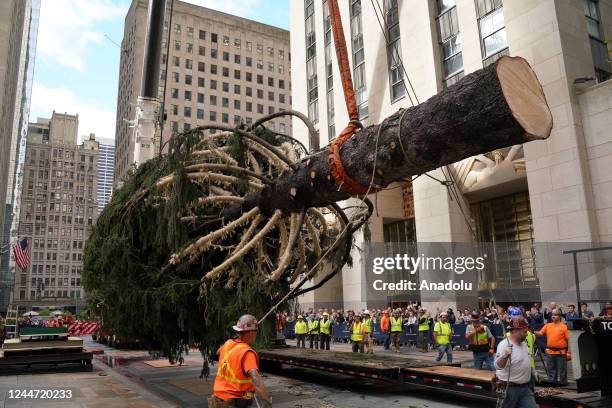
[{"x": 449, "y": 378}]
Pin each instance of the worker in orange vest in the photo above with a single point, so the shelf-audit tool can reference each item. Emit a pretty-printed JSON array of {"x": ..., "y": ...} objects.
[
  {"x": 385, "y": 325},
  {"x": 238, "y": 381}
]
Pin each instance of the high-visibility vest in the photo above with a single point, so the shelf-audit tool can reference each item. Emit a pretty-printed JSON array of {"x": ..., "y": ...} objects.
[
  {"x": 423, "y": 324},
  {"x": 358, "y": 331},
  {"x": 396, "y": 324},
  {"x": 300, "y": 327},
  {"x": 443, "y": 333},
  {"x": 480, "y": 338},
  {"x": 313, "y": 326},
  {"x": 231, "y": 378},
  {"x": 530, "y": 341},
  {"x": 368, "y": 325},
  {"x": 325, "y": 326}
]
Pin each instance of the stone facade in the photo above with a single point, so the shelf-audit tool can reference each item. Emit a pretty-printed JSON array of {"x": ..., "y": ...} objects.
[
  {"x": 548, "y": 191},
  {"x": 221, "y": 69},
  {"x": 59, "y": 206}
]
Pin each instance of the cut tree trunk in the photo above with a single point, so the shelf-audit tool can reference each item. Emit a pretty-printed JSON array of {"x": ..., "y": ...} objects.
[{"x": 499, "y": 106}]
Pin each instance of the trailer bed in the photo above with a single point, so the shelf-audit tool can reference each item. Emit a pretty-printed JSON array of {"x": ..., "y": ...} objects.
[{"x": 444, "y": 377}]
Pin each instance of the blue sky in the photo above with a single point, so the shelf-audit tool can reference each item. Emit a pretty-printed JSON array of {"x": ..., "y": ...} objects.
[{"x": 77, "y": 66}]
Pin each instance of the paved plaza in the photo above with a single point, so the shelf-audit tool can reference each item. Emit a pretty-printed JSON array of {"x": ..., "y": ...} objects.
[{"x": 133, "y": 379}]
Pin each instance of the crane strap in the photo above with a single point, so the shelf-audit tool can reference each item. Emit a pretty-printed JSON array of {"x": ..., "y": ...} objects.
[{"x": 344, "y": 181}]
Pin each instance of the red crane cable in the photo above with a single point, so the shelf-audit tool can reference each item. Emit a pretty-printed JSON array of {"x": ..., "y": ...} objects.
[{"x": 344, "y": 181}]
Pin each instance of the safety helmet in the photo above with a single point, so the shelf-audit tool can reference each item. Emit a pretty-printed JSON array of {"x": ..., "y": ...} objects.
[
  {"x": 514, "y": 311},
  {"x": 443, "y": 314},
  {"x": 517, "y": 322},
  {"x": 475, "y": 315},
  {"x": 325, "y": 314},
  {"x": 366, "y": 312},
  {"x": 246, "y": 322},
  {"x": 301, "y": 317}
]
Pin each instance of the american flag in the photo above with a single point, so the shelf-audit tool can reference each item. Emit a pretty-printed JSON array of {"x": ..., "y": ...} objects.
[{"x": 22, "y": 253}]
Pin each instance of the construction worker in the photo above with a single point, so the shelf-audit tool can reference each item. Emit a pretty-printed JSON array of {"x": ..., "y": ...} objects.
[
  {"x": 325, "y": 328},
  {"x": 300, "y": 331},
  {"x": 481, "y": 342},
  {"x": 367, "y": 321},
  {"x": 557, "y": 340},
  {"x": 313, "y": 331},
  {"x": 513, "y": 367},
  {"x": 443, "y": 334},
  {"x": 384, "y": 328},
  {"x": 358, "y": 331},
  {"x": 238, "y": 380},
  {"x": 423, "y": 329},
  {"x": 396, "y": 329}
]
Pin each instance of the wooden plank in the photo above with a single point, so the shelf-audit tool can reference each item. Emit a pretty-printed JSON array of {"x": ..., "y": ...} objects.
[{"x": 471, "y": 374}]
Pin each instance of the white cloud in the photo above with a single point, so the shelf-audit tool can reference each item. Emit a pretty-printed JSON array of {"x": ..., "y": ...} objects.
[
  {"x": 92, "y": 118},
  {"x": 241, "y": 8},
  {"x": 67, "y": 29}
]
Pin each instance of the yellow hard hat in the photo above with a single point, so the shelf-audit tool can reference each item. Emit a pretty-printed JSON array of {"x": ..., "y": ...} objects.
[
  {"x": 325, "y": 314},
  {"x": 300, "y": 317}
]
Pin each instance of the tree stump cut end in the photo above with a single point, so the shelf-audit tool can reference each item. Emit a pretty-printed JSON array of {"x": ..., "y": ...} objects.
[{"x": 525, "y": 97}]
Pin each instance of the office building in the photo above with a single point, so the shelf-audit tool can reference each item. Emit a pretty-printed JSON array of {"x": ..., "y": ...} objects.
[
  {"x": 59, "y": 206},
  {"x": 217, "y": 69},
  {"x": 556, "y": 190},
  {"x": 106, "y": 160}
]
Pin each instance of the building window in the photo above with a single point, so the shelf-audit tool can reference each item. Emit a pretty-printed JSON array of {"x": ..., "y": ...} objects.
[
  {"x": 201, "y": 66},
  {"x": 188, "y": 79},
  {"x": 394, "y": 53},
  {"x": 450, "y": 42},
  {"x": 225, "y": 118},
  {"x": 174, "y": 93},
  {"x": 213, "y": 100},
  {"x": 213, "y": 116},
  {"x": 202, "y": 35},
  {"x": 311, "y": 63},
  {"x": 271, "y": 81},
  {"x": 259, "y": 48},
  {"x": 237, "y": 104},
  {"x": 260, "y": 93},
  {"x": 505, "y": 224},
  {"x": 236, "y": 59},
  {"x": 237, "y": 43},
  {"x": 259, "y": 64},
  {"x": 249, "y": 61},
  {"x": 249, "y": 91},
  {"x": 225, "y": 56},
  {"x": 189, "y": 48},
  {"x": 225, "y": 71},
  {"x": 329, "y": 78},
  {"x": 200, "y": 82},
  {"x": 213, "y": 69},
  {"x": 202, "y": 51},
  {"x": 237, "y": 89},
  {"x": 236, "y": 74},
  {"x": 187, "y": 95},
  {"x": 492, "y": 30},
  {"x": 225, "y": 102},
  {"x": 599, "y": 49},
  {"x": 177, "y": 28},
  {"x": 226, "y": 40},
  {"x": 270, "y": 67},
  {"x": 249, "y": 77},
  {"x": 201, "y": 96},
  {"x": 177, "y": 45},
  {"x": 188, "y": 64},
  {"x": 361, "y": 92},
  {"x": 213, "y": 37},
  {"x": 213, "y": 84},
  {"x": 187, "y": 112},
  {"x": 213, "y": 53},
  {"x": 249, "y": 46},
  {"x": 260, "y": 79},
  {"x": 225, "y": 86},
  {"x": 270, "y": 52}
]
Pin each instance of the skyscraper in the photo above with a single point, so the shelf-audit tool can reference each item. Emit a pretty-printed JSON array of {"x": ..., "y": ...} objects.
[
  {"x": 222, "y": 69},
  {"x": 59, "y": 207},
  {"x": 106, "y": 159},
  {"x": 18, "y": 34}
]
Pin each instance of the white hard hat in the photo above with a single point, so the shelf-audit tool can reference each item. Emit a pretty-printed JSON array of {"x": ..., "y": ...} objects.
[
  {"x": 366, "y": 312},
  {"x": 246, "y": 322}
]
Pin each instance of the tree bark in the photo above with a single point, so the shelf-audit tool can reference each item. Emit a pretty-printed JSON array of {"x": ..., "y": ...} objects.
[{"x": 498, "y": 106}]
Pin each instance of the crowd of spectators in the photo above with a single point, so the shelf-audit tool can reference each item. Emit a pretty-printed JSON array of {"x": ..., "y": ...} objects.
[{"x": 535, "y": 314}]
